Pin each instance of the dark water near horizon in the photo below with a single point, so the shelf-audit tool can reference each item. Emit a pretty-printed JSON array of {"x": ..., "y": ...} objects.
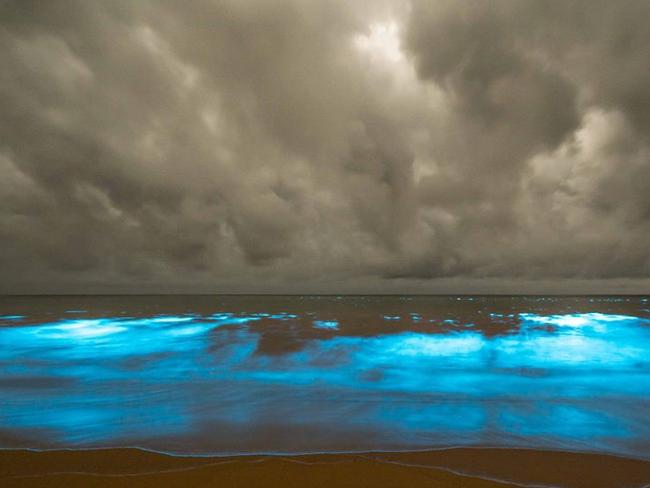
[{"x": 250, "y": 374}]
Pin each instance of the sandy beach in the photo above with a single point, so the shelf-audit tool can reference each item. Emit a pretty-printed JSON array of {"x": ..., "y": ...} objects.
[{"x": 450, "y": 468}]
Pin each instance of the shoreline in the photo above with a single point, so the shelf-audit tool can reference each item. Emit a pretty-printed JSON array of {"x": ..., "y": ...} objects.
[
  {"x": 292, "y": 454},
  {"x": 471, "y": 467}
]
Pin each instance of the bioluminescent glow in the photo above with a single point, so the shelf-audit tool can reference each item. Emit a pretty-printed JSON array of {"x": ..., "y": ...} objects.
[
  {"x": 576, "y": 319},
  {"x": 259, "y": 380},
  {"x": 326, "y": 324}
]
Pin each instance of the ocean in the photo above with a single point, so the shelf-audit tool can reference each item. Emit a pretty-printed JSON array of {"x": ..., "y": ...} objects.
[{"x": 219, "y": 375}]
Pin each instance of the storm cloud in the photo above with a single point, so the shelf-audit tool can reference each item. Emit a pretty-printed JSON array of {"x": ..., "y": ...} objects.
[{"x": 324, "y": 146}]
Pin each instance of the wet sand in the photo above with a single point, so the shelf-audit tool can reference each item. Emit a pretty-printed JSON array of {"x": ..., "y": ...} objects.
[{"x": 449, "y": 468}]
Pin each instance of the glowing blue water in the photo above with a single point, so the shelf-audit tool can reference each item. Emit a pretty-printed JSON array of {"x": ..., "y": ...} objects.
[{"x": 228, "y": 381}]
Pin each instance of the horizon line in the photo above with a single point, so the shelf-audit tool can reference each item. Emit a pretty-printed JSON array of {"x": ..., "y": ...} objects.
[{"x": 2, "y": 295}]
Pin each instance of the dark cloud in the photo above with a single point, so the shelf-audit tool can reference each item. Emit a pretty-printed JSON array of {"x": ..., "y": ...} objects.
[{"x": 324, "y": 146}]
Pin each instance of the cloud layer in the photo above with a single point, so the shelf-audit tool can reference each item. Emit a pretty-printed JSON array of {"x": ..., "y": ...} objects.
[{"x": 324, "y": 146}]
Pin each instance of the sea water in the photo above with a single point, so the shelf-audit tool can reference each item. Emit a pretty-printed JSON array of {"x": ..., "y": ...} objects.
[{"x": 252, "y": 374}]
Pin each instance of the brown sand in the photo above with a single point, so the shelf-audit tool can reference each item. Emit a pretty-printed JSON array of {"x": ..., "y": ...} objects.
[{"x": 137, "y": 468}]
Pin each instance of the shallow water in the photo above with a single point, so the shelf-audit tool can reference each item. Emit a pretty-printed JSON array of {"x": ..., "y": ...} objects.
[{"x": 235, "y": 374}]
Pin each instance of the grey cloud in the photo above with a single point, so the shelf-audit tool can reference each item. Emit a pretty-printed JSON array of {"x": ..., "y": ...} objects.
[
  {"x": 526, "y": 79},
  {"x": 273, "y": 146}
]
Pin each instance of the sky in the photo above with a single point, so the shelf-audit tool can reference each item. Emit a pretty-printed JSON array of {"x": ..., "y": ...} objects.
[{"x": 308, "y": 146}]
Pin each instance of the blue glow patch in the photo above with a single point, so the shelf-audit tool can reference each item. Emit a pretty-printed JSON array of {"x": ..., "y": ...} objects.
[
  {"x": 168, "y": 320},
  {"x": 326, "y": 324},
  {"x": 232, "y": 319},
  {"x": 576, "y": 319},
  {"x": 282, "y": 316},
  {"x": 190, "y": 330},
  {"x": 391, "y": 317},
  {"x": 79, "y": 329},
  {"x": 425, "y": 345},
  {"x": 223, "y": 316},
  {"x": 12, "y": 317}
]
